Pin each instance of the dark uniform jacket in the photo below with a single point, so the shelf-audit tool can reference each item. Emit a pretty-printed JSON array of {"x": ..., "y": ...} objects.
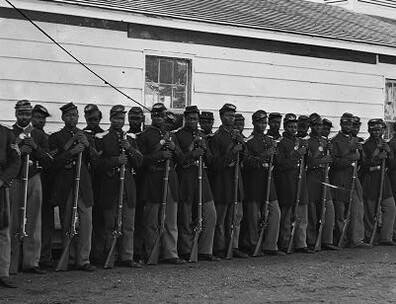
[
  {"x": 273, "y": 134},
  {"x": 149, "y": 142},
  {"x": 341, "y": 169},
  {"x": 64, "y": 169},
  {"x": 317, "y": 148},
  {"x": 256, "y": 169},
  {"x": 39, "y": 158},
  {"x": 188, "y": 169},
  {"x": 392, "y": 166},
  {"x": 10, "y": 163},
  {"x": 108, "y": 169},
  {"x": 370, "y": 172},
  {"x": 288, "y": 166},
  {"x": 223, "y": 167}
]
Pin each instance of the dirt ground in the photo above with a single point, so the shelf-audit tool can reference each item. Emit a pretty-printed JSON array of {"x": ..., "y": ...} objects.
[{"x": 347, "y": 276}]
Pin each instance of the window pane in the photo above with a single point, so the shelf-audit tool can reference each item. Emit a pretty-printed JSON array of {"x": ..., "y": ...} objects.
[
  {"x": 166, "y": 71},
  {"x": 179, "y": 97},
  {"x": 390, "y": 100},
  {"x": 165, "y": 92},
  {"x": 152, "y": 69},
  {"x": 151, "y": 94},
  {"x": 181, "y": 72}
]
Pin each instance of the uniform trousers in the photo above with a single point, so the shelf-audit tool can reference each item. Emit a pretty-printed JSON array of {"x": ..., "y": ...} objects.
[
  {"x": 80, "y": 247},
  {"x": 125, "y": 241},
  {"x": 31, "y": 244},
  {"x": 186, "y": 219},
  {"x": 314, "y": 215},
  {"x": 5, "y": 246},
  {"x": 170, "y": 235},
  {"x": 388, "y": 211},
  {"x": 285, "y": 227},
  {"x": 47, "y": 223},
  {"x": 253, "y": 212},
  {"x": 223, "y": 226},
  {"x": 355, "y": 234}
]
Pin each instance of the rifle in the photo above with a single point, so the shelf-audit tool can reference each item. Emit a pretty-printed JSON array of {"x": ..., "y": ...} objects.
[
  {"x": 318, "y": 243},
  {"x": 264, "y": 220},
  {"x": 155, "y": 251},
  {"x": 378, "y": 207},
  {"x": 22, "y": 220},
  {"x": 117, "y": 232},
  {"x": 198, "y": 228},
  {"x": 347, "y": 219},
  {"x": 64, "y": 259},
  {"x": 234, "y": 206},
  {"x": 295, "y": 219}
]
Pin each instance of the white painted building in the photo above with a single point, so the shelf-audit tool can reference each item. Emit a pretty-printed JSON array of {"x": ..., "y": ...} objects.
[{"x": 277, "y": 55}]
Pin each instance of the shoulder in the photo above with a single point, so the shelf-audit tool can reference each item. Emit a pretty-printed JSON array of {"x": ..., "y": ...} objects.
[{"x": 5, "y": 127}]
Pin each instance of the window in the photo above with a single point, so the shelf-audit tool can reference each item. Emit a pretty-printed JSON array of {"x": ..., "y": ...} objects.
[
  {"x": 168, "y": 80},
  {"x": 390, "y": 105}
]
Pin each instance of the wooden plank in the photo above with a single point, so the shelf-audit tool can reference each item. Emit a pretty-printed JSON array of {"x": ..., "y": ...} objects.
[
  {"x": 87, "y": 54},
  {"x": 244, "y": 86},
  {"x": 68, "y": 73},
  {"x": 274, "y": 71},
  {"x": 14, "y": 90}
]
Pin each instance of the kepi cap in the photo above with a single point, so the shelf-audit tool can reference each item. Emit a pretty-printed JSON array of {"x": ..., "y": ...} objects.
[
  {"x": 89, "y": 108},
  {"x": 136, "y": 111},
  {"x": 206, "y": 115},
  {"x": 289, "y": 117},
  {"x": 170, "y": 117},
  {"x": 68, "y": 107},
  {"x": 375, "y": 124},
  {"x": 356, "y": 120},
  {"x": 274, "y": 115},
  {"x": 191, "y": 109},
  {"x": 259, "y": 115},
  {"x": 239, "y": 117},
  {"x": 117, "y": 109},
  {"x": 23, "y": 105},
  {"x": 346, "y": 117},
  {"x": 41, "y": 109},
  {"x": 327, "y": 122},
  {"x": 158, "y": 107},
  {"x": 315, "y": 119},
  {"x": 227, "y": 107}
]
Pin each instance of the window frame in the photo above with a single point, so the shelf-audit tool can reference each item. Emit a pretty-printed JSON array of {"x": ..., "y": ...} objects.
[
  {"x": 175, "y": 56},
  {"x": 389, "y": 122}
]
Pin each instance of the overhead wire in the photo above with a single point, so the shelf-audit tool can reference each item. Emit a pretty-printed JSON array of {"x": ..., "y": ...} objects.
[{"x": 74, "y": 57}]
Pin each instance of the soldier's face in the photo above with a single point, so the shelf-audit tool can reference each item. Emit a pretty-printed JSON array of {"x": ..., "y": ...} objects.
[
  {"x": 376, "y": 133},
  {"x": 326, "y": 130},
  {"x": 355, "y": 129},
  {"x": 302, "y": 127},
  {"x": 275, "y": 123},
  {"x": 228, "y": 118},
  {"x": 260, "y": 125},
  {"x": 291, "y": 128},
  {"x": 117, "y": 121},
  {"x": 23, "y": 117},
  {"x": 239, "y": 125},
  {"x": 317, "y": 129},
  {"x": 158, "y": 120},
  {"x": 346, "y": 127},
  {"x": 191, "y": 121},
  {"x": 38, "y": 120},
  {"x": 70, "y": 118},
  {"x": 206, "y": 125},
  {"x": 93, "y": 119},
  {"x": 135, "y": 121}
]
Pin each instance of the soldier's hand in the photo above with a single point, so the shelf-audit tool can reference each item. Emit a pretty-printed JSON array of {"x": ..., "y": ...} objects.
[
  {"x": 355, "y": 145},
  {"x": 125, "y": 144},
  {"x": 201, "y": 144},
  {"x": 386, "y": 147},
  {"x": 122, "y": 159},
  {"x": 383, "y": 155},
  {"x": 237, "y": 148},
  {"x": 167, "y": 154},
  {"x": 354, "y": 157},
  {"x": 170, "y": 145},
  {"x": 25, "y": 149},
  {"x": 326, "y": 159},
  {"x": 198, "y": 152},
  {"x": 79, "y": 148},
  {"x": 83, "y": 139},
  {"x": 30, "y": 142},
  {"x": 302, "y": 151}
]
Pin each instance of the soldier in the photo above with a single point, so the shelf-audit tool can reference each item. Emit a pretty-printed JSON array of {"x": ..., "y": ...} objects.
[
  {"x": 93, "y": 117},
  {"x": 136, "y": 120},
  {"x": 392, "y": 170},
  {"x": 158, "y": 145},
  {"x": 68, "y": 143},
  {"x": 274, "y": 122},
  {"x": 193, "y": 144},
  {"x": 239, "y": 123},
  {"x": 261, "y": 150},
  {"x": 345, "y": 157},
  {"x": 302, "y": 126},
  {"x": 39, "y": 118},
  {"x": 375, "y": 152},
  {"x": 115, "y": 150},
  {"x": 226, "y": 143},
  {"x": 170, "y": 121},
  {"x": 326, "y": 129},
  {"x": 317, "y": 158},
  {"x": 206, "y": 121},
  {"x": 291, "y": 149},
  {"x": 136, "y": 126},
  {"x": 31, "y": 142},
  {"x": 10, "y": 163}
]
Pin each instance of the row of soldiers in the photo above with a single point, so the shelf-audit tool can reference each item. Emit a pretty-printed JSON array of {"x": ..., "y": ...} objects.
[{"x": 222, "y": 193}]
